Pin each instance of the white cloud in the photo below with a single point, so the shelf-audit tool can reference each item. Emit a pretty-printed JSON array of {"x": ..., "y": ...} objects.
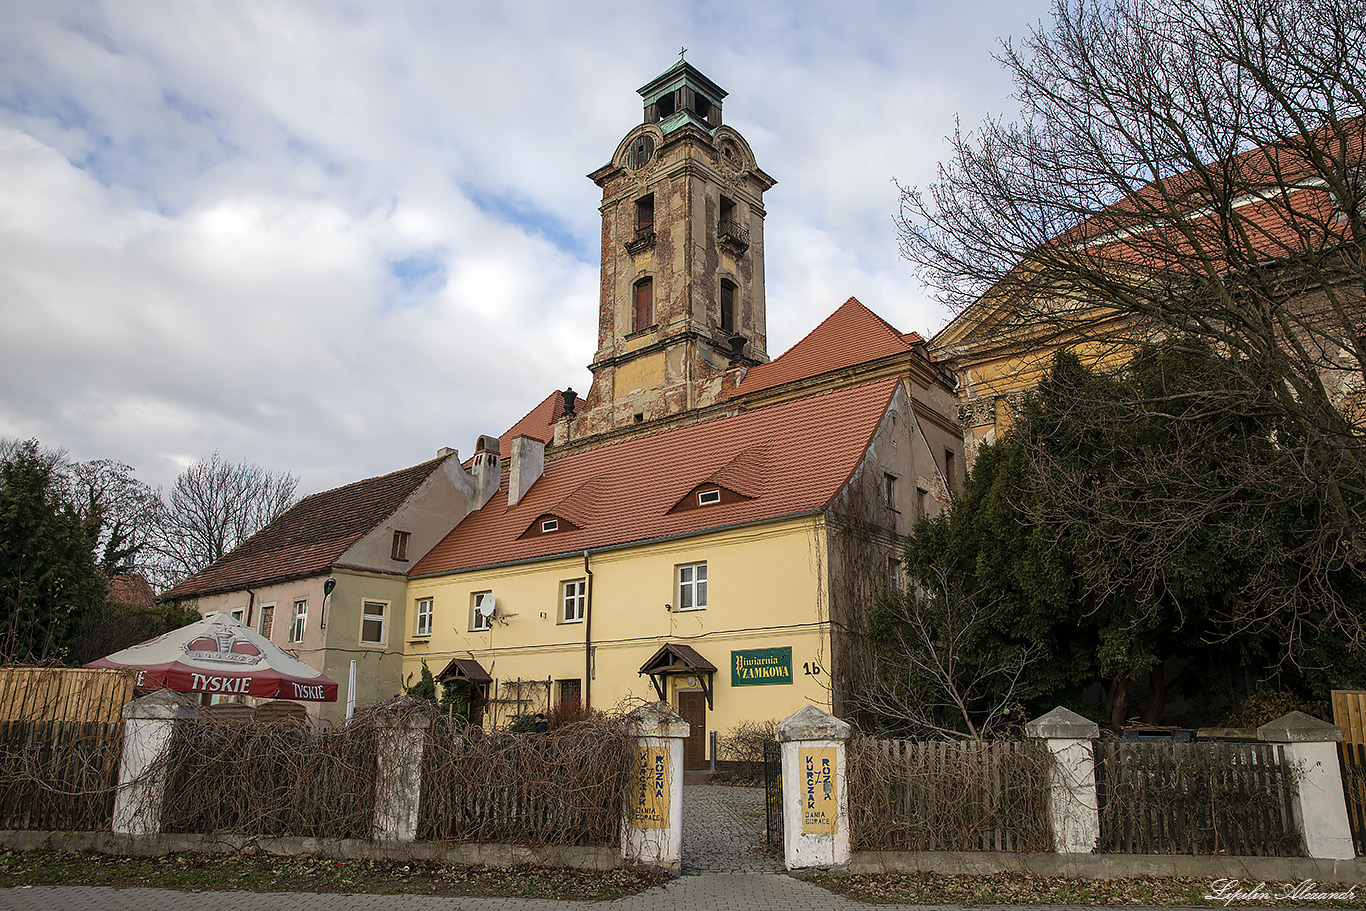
[{"x": 332, "y": 237}]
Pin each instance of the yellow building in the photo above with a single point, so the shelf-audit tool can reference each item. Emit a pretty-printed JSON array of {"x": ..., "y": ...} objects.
[{"x": 704, "y": 564}]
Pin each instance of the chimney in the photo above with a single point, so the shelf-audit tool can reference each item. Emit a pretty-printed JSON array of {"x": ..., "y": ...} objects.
[
  {"x": 528, "y": 464},
  {"x": 488, "y": 472},
  {"x": 570, "y": 397},
  {"x": 447, "y": 451},
  {"x": 737, "y": 348}
]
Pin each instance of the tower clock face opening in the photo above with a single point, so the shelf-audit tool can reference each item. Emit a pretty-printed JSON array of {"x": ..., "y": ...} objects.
[{"x": 642, "y": 150}]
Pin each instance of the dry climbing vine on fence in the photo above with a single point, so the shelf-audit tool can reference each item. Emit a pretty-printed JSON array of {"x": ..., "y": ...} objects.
[
  {"x": 567, "y": 787},
  {"x": 940, "y": 796},
  {"x": 273, "y": 779}
]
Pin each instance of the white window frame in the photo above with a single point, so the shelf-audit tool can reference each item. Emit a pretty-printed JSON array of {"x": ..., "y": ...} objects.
[
  {"x": 298, "y": 621},
  {"x": 267, "y": 610},
  {"x": 367, "y": 617},
  {"x": 573, "y": 596},
  {"x": 691, "y": 585},
  {"x": 712, "y": 496},
  {"x": 487, "y": 618},
  {"x": 549, "y": 525},
  {"x": 238, "y": 613},
  {"x": 424, "y": 617}
]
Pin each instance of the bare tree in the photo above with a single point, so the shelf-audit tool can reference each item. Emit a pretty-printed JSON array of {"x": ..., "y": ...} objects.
[
  {"x": 1190, "y": 173},
  {"x": 940, "y": 668},
  {"x": 214, "y": 506}
]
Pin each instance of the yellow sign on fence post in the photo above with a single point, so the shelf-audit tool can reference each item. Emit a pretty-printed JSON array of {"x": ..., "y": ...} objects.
[
  {"x": 651, "y": 804},
  {"x": 820, "y": 795}
]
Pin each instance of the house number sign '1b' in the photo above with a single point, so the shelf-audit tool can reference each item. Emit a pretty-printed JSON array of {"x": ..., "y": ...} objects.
[
  {"x": 820, "y": 797},
  {"x": 650, "y": 806}
]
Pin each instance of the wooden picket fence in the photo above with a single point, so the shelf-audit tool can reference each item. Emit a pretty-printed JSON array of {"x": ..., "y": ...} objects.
[
  {"x": 59, "y": 775},
  {"x": 63, "y": 694},
  {"x": 1196, "y": 798},
  {"x": 937, "y": 796}
]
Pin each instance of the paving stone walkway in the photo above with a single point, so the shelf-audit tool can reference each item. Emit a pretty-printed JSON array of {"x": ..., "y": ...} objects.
[{"x": 723, "y": 831}]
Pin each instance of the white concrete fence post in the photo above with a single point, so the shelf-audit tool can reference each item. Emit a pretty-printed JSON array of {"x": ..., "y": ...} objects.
[
  {"x": 398, "y": 784},
  {"x": 1073, "y": 807},
  {"x": 815, "y": 789},
  {"x": 148, "y": 726},
  {"x": 652, "y": 832},
  {"x": 1320, "y": 807}
]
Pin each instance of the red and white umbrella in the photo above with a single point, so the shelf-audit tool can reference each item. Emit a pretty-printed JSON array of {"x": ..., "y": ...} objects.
[{"x": 221, "y": 655}]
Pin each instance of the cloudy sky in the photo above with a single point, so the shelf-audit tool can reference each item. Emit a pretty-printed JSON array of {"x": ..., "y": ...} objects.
[{"x": 332, "y": 237}]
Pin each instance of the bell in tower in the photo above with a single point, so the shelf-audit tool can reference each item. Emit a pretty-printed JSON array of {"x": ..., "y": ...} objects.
[{"x": 682, "y": 280}]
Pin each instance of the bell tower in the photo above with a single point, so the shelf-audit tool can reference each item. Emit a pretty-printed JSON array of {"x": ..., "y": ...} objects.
[{"x": 682, "y": 282}]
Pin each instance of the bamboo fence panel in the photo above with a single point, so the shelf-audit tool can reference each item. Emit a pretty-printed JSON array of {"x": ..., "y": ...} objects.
[{"x": 63, "y": 694}]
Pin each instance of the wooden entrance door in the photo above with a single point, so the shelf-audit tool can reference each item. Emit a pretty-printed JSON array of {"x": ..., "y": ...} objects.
[{"x": 693, "y": 708}]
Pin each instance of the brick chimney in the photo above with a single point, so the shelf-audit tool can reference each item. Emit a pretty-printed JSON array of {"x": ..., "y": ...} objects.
[{"x": 487, "y": 470}]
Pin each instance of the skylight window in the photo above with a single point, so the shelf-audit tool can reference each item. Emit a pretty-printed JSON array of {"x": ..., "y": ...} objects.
[
  {"x": 708, "y": 497},
  {"x": 549, "y": 525}
]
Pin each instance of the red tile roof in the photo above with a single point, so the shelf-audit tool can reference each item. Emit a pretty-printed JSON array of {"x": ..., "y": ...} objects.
[
  {"x": 310, "y": 536},
  {"x": 851, "y": 335},
  {"x": 130, "y": 588},
  {"x": 539, "y": 422},
  {"x": 792, "y": 458}
]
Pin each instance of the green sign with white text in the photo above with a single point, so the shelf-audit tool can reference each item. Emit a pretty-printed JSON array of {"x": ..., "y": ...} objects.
[{"x": 761, "y": 666}]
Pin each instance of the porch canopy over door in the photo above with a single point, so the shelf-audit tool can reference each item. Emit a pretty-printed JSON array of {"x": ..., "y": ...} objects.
[{"x": 674, "y": 658}]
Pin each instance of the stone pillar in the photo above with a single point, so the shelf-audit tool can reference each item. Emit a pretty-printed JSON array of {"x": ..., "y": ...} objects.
[
  {"x": 1319, "y": 805},
  {"x": 652, "y": 832},
  {"x": 398, "y": 784},
  {"x": 148, "y": 725},
  {"x": 1073, "y": 808},
  {"x": 815, "y": 789}
]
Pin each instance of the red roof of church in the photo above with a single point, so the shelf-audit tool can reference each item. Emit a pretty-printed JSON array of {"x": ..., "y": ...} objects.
[
  {"x": 539, "y": 422},
  {"x": 851, "y": 335},
  {"x": 782, "y": 460},
  {"x": 310, "y": 536}
]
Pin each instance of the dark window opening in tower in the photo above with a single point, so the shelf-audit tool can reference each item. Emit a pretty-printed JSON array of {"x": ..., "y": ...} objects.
[
  {"x": 645, "y": 299},
  {"x": 645, "y": 214},
  {"x": 703, "y": 106},
  {"x": 667, "y": 104},
  {"x": 727, "y": 308},
  {"x": 727, "y": 220}
]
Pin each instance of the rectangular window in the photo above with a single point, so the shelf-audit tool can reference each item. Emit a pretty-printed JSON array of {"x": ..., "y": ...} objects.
[
  {"x": 921, "y": 504},
  {"x": 550, "y": 525},
  {"x": 239, "y": 613},
  {"x": 267, "y": 620},
  {"x": 400, "y": 551},
  {"x": 950, "y": 471},
  {"x": 644, "y": 304},
  {"x": 296, "y": 629},
  {"x": 481, "y": 611},
  {"x": 692, "y": 586},
  {"x": 889, "y": 491},
  {"x": 569, "y": 693},
  {"x": 372, "y": 623},
  {"x": 645, "y": 214},
  {"x": 424, "y": 617},
  {"x": 572, "y": 595},
  {"x": 708, "y": 497},
  {"x": 893, "y": 574},
  {"x": 727, "y": 308}
]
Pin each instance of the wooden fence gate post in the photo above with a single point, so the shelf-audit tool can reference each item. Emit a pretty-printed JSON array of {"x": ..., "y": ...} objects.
[
  {"x": 148, "y": 725},
  {"x": 815, "y": 789},
  {"x": 1320, "y": 807},
  {"x": 1073, "y": 806}
]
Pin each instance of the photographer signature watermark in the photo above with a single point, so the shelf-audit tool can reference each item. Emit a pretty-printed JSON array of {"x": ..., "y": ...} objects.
[{"x": 1229, "y": 891}]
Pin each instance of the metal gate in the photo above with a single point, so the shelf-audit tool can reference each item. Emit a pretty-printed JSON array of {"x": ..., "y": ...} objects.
[
  {"x": 1349, "y": 714},
  {"x": 773, "y": 795}
]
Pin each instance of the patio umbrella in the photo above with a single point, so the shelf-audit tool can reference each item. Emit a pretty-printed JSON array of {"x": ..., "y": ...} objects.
[{"x": 219, "y": 654}]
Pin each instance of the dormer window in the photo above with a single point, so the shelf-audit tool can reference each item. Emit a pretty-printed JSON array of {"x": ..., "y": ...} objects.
[
  {"x": 400, "y": 548},
  {"x": 708, "y": 497},
  {"x": 549, "y": 525}
]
